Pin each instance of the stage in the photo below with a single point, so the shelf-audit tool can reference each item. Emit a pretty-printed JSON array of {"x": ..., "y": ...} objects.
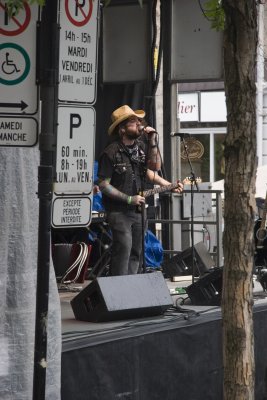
[{"x": 177, "y": 355}]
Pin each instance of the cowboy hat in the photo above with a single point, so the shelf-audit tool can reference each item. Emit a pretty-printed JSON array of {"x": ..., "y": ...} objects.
[{"x": 121, "y": 114}]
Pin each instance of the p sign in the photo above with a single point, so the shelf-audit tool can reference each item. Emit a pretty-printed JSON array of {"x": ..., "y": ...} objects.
[
  {"x": 75, "y": 122},
  {"x": 75, "y": 150},
  {"x": 79, "y": 12}
]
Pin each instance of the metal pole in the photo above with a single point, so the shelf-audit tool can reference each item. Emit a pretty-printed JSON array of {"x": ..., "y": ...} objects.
[
  {"x": 48, "y": 78},
  {"x": 166, "y": 14}
]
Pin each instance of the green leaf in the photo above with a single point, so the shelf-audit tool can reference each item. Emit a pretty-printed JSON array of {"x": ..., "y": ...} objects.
[
  {"x": 214, "y": 12},
  {"x": 107, "y": 3},
  {"x": 14, "y": 6}
]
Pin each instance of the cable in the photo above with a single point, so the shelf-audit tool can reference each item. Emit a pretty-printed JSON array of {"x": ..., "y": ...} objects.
[{"x": 79, "y": 261}]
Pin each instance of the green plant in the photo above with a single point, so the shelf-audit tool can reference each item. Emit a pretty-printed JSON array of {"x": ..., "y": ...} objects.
[
  {"x": 214, "y": 12},
  {"x": 14, "y": 6}
]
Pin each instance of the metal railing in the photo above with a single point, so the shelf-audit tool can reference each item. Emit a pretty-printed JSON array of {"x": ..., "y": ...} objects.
[{"x": 216, "y": 222}]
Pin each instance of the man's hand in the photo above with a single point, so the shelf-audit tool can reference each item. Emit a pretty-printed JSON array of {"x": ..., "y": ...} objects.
[
  {"x": 96, "y": 189},
  {"x": 179, "y": 188},
  {"x": 149, "y": 130},
  {"x": 137, "y": 200}
]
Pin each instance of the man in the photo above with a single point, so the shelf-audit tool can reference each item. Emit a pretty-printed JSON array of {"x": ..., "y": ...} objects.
[{"x": 123, "y": 168}]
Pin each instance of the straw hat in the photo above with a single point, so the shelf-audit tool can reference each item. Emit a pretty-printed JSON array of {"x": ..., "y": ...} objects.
[{"x": 121, "y": 114}]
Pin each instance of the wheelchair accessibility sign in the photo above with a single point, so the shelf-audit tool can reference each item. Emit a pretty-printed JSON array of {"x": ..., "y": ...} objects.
[
  {"x": 19, "y": 91},
  {"x": 14, "y": 64}
]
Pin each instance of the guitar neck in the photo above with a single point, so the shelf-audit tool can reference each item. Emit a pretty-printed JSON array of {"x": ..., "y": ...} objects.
[{"x": 160, "y": 189}]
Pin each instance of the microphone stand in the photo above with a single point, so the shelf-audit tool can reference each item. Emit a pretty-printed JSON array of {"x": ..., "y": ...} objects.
[
  {"x": 193, "y": 181},
  {"x": 143, "y": 170},
  {"x": 143, "y": 219},
  {"x": 143, "y": 211}
]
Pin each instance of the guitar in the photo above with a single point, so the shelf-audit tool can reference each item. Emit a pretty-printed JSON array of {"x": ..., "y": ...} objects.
[
  {"x": 160, "y": 189},
  {"x": 166, "y": 188},
  {"x": 261, "y": 232},
  {"x": 150, "y": 192}
]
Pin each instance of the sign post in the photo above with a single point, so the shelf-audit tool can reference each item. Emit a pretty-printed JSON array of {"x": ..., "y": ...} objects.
[
  {"x": 73, "y": 189},
  {"x": 75, "y": 149},
  {"x": 78, "y": 51},
  {"x": 49, "y": 88},
  {"x": 71, "y": 211},
  {"x": 18, "y": 88},
  {"x": 74, "y": 167}
]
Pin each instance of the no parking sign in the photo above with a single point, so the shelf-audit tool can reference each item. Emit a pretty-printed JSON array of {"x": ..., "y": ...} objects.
[
  {"x": 15, "y": 24},
  {"x": 79, "y": 13},
  {"x": 78, "y": 51},
  {"x": 18, "y": 87}
]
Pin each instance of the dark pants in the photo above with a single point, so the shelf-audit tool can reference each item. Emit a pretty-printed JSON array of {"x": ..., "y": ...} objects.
[{"x": 126, "y": 251}]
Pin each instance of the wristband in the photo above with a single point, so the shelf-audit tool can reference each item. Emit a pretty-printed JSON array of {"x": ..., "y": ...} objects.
[{"x": 129, "y": 200}]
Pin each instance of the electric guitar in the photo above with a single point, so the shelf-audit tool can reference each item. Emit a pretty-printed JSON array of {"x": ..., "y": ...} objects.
[
  {"x": 150, "y": 192},
  {"x": 160, "y": 189},
  {"x": 261, "y": 232},
  {"x": 166, "y": 188}
]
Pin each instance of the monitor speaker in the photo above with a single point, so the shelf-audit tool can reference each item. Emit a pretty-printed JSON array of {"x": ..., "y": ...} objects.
[
  {"x": 207, "y": 290},
  {"x": 182, "y": 263},
  {"x": 122, "y": 297}
]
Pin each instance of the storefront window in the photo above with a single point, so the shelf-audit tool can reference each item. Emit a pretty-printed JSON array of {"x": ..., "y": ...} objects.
[
  {"x": 198, "y": 148},
  {"x": 205, "y": 151}
]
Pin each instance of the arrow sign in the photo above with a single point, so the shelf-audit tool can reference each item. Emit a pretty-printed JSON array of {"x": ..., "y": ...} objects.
[
  {"x": 20, "y": 105},
  {"x": 18, "y": 87}
]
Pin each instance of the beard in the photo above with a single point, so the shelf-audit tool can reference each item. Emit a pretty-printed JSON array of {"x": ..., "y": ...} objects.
[{"x": 132, "y": 135}]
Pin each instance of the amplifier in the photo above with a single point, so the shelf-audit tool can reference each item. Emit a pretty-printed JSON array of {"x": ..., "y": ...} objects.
[
  {"x": 122, "y": 297},
  {"x": 207, "y": 290}
]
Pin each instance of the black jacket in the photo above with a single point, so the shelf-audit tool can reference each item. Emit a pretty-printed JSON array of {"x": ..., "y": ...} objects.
[{"x": 126, "y": 168}]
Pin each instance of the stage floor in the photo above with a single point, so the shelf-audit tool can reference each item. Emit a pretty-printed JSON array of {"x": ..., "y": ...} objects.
[
  {"x": 177, "y": 355},
  {"x": 70, "y": 325}
]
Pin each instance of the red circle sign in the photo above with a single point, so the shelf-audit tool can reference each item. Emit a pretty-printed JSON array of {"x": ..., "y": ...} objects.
[
  {"x": 20, "y": 26},
  {"x": 79, "y": 8}
]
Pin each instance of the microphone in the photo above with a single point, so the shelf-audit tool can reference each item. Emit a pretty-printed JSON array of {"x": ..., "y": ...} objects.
[
  {"x": 179, "y": 134},
  {"x": 141, "y": 128}
]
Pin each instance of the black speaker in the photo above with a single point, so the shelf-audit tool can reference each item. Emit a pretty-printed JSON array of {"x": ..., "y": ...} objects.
[
  {"x": 207, "y": 290},
  {"x": 182, "y": 263},
  {"x": 122, "y": 297}
]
